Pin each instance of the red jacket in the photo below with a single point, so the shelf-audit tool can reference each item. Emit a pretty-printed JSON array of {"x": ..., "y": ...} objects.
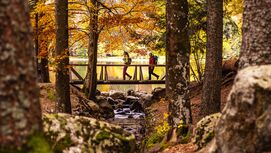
[{"x": 151, "y": 60}]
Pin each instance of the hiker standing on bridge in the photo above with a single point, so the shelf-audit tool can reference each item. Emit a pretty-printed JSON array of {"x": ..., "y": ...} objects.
[
  {"x": 127, "y": 61},
  {"x": 153, "y": 60}
]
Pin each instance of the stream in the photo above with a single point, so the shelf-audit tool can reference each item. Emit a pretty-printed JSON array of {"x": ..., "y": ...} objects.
[{"x": 129, "y": 112}]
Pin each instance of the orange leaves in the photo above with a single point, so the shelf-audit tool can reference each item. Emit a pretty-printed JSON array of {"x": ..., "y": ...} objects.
[{"x": 119, "y": 20}]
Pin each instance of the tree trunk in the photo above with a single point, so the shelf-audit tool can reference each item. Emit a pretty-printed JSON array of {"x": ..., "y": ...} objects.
[
  {"x": 90, "y": 84},
  {"x": 210, "y": 100},
  {"x": 44, "y": 70},
  {"x": 256, "y": 48},
  {"x": 20, "y": 112},
  {"x": 177, "y": 64},
  {"x": 62, "y": 56},
  {"x": 42, "y": 66}
]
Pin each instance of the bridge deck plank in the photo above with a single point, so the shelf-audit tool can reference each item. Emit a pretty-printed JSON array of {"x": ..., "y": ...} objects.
[{"x": 122, "y": 82}]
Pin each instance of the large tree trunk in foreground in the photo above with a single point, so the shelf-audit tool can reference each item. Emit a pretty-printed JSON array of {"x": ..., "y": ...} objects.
[
  {"x": 210, "y": 101},
  {"x": 177, "y": 69},
  {"x": 62, "y": 56},
  {"x": 20, "y": 112},
  {"x": 256, "y": 48},
  {"x": 245, "y": 122},
  {"x": 90, "y": 84}
]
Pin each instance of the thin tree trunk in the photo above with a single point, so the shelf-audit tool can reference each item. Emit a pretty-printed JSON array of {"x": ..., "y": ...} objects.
[
  {"x": 44, "y": 70},
  {"x": 62, "y": 56},
  {"x": 42, "y": 66},
  {"x": 90, "y": 85},
  {"x": 177, "y": 69},
  {"x": 20, "y": 112},
  {"x": 210, "y": 102}
]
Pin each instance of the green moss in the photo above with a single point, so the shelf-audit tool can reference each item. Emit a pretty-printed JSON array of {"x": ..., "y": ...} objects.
[
  {"x": 102, "y": 135},
  {"x": 154, "y": 139},
  {"x": 185, "y": 138},
  {"x": 127, "y": 141},
  {"x": 209, "y": 137},
  {"x": 62, "y": 144}
]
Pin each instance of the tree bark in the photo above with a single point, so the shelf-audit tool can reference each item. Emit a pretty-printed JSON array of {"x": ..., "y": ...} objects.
[
  {"x": 44, "y": 70},
  {"x": 210, "y": 100},
  {"x": 42, "y": 63},
  {"x": 177, "y": 63},
  {"x": 90, "y": 84},
  {"x": 256, "y": 49},
  {"x": 20, "y": 111},
  {"x": 62, "y": 56}
]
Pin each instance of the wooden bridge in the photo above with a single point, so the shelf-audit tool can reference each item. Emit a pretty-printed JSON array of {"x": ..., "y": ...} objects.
[{"x": 138, "y": 76}]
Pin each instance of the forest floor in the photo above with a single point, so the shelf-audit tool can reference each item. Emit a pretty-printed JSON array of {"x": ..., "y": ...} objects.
[{"x": 162, "y": 107}]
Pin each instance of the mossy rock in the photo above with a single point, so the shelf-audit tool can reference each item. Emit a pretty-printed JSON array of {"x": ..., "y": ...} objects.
[
  {"x": 204, "y": 131},
  {"x": 70, "y": 133}
]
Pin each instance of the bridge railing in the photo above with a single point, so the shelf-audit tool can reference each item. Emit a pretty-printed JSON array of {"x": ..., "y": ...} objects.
[{"x": 138, "y": 76}]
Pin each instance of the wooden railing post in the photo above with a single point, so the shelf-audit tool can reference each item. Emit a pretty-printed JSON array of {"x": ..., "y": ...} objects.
[
  {"x": 105, "y": 73},
  {"x": 141, "y": 73},
  {"x": 135, "y": 73},
  {"x": 101, "y": 73}
]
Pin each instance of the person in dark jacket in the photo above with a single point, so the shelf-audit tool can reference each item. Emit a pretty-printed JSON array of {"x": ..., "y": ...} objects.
[
  {"x": 127, "y": 61},
  {"x": 151, "y": 66}
]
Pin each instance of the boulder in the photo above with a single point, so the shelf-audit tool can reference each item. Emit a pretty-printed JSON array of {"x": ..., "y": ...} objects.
[
  {"x": 204, "y": 131},
  {"x": 245, "y": 124},
  {"x": 146, "y": 100},
  {"x": 136, "y": 107},
  {"x": 77, "y": 134},
  {"x": 87, "y": 108},
  {"x": 107, "y": 110},
  {"x": 130, "y": 92},
  {"x": 130, "y": 100},
  {"x": 158, "y": 93},
  {"x": 112, "y": 101},
  {"x": 105, "y": 94},
  {"x": 117, "y": 94}
]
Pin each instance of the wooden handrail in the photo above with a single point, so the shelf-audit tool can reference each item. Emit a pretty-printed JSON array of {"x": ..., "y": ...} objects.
[
  {"x": 159, "y": 65},
  {"x": 104, "y": 79}
]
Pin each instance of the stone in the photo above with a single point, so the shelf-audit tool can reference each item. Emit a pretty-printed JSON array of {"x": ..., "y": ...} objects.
[
  {"x": 69, "y": 133},
  {"x": 117, "y": 94},
  {"x": 158, "y": 93},
  {"x": 98, "y": 93},
  {"x": 111, "y": 101},
  {"x": 130, "y": 100},
  {"x": 137, "y": 107},
  {"x": 106, "y": 108},
  {"x": 204, "y": 131},
  {"x": 130, "y": 92},
  {"x": 105, "y": 94},
  {"x": 245, "y": 124},
  {"x": 146, "y": 100}
]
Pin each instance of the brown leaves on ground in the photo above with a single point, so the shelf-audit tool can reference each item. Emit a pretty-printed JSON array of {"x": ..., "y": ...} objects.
[{"x": 181, "y": 148}]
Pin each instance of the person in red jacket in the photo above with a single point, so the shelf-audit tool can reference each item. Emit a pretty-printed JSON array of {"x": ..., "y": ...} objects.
[{"x": 151, "y": 66}]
